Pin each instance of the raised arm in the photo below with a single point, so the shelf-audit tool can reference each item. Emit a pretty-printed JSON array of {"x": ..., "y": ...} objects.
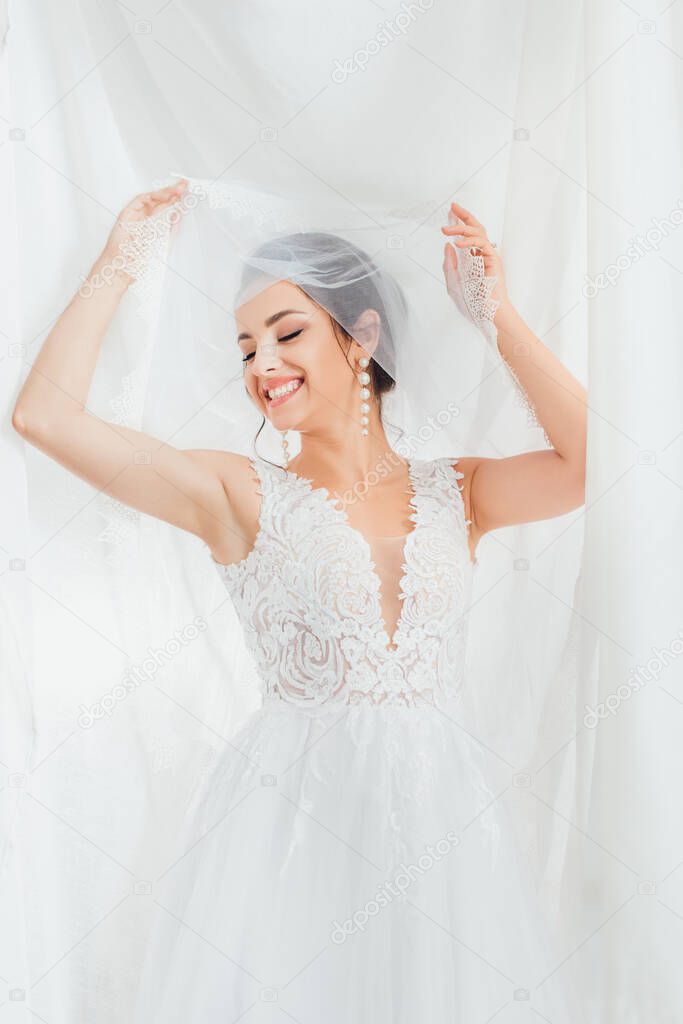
[
  {"x": 533, "y": 485},
  {"x": 182, "y": 487}
]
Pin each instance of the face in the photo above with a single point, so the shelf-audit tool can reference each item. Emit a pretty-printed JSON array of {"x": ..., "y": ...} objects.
[{"x": 295, "y": 369}]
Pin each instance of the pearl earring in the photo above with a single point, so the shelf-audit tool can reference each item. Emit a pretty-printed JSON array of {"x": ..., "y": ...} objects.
[
  {"x": 285, "y": 448},
  {"x": 364, "y": 380}
]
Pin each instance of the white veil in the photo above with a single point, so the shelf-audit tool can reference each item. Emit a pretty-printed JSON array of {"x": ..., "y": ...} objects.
[{"x": 225, "y": 241}]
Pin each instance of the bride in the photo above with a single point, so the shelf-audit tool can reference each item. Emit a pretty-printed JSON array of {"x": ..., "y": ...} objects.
[{"x": 353, "y": 865}]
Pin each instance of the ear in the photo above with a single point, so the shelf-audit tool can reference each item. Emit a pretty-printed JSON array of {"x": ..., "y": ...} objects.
[{"x": 366, "y": 332}]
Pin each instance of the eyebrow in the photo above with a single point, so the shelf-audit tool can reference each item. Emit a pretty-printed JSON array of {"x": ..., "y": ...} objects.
[{"x": 270, "y": 321}]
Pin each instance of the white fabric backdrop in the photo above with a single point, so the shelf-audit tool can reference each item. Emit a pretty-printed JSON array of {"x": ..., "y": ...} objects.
[{"x": 559, "y": 127}]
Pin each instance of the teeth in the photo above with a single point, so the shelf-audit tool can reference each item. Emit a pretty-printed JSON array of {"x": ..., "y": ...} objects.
[{"x": 284, "y": 389}]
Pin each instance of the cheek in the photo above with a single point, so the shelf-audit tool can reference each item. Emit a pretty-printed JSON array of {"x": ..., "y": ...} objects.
[
  {"x": 328, "y": 369},
  {"x": 251, "y": 383}
]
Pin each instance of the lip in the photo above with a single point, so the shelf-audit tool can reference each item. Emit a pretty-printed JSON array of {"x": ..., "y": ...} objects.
[{"x": 276, "y": 382}]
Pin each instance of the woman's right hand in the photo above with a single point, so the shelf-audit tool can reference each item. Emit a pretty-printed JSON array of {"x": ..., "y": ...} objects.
[{"x": 141, "y": 208}]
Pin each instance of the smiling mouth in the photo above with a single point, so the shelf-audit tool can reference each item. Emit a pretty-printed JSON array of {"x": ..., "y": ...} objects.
[{"x": 279, "y": 395}]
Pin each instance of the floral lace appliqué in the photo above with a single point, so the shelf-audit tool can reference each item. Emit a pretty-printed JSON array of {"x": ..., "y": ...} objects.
[{"x": 308, "y": 597}]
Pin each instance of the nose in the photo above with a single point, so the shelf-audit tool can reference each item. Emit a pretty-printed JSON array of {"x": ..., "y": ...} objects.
[{"x": 266, "y": 358}]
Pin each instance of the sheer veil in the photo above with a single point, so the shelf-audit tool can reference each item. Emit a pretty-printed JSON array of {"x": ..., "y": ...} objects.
[{"x": 453, "y": 395}]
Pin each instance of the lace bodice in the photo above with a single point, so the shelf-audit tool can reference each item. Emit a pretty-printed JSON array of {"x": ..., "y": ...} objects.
[{"x": 315, "y": 596}]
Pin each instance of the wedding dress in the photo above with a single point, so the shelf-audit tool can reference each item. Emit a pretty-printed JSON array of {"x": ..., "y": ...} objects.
[{"x": 350, "y": 858}]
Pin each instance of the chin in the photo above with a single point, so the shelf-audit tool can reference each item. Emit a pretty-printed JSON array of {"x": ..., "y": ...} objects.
[{"x": 285, "y": 422}]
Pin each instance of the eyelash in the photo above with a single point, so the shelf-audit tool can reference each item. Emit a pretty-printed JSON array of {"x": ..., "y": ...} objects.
[{"x": 286, "y": 337}]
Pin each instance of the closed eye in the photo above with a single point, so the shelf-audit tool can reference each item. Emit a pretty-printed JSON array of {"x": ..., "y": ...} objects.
[{"x": 286, "y": 337}]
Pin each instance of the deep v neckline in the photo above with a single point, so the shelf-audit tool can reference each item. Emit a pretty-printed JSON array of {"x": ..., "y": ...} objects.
[{"x": 390, "y": 645}]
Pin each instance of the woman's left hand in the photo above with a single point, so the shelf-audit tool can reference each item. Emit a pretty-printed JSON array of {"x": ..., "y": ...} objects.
[{"x": 467, "y": 233}]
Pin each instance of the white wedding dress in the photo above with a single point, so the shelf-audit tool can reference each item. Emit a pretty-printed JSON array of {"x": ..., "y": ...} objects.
[{"x": 351, "y": 858}]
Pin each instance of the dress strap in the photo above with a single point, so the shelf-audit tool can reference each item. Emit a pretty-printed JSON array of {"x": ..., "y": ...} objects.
[
  {"x": 269, "y": 478},
  {"x": 441, "y": 485},
  {"x": 268, "y": 474},
  {"x": 277, "y": 499},
  {"x": 453, "y": 476},
  {"x": 440, "y": 482}
]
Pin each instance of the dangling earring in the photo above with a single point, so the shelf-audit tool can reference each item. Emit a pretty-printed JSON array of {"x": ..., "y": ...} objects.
[
  {"x": 364, "y": 380},
  {"x": 285, "y": 448}
]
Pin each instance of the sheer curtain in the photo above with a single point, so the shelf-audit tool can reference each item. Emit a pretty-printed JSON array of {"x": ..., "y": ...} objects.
[{"x": 559, "y": 127}]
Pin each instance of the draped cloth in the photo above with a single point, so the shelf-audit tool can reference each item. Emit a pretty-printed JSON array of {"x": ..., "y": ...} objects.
[{"x": 125, "y": 675}]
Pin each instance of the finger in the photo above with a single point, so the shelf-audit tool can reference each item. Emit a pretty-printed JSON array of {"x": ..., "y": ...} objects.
[
  {"x": 451, "y": 264},
  {"x": 156, "y": 202},
  {"x": 165, "y": 206},
  {"x": 171, "y": 200},
  {"x": 143, "y": 204},
  {"x": 463, "y": 212},
  {"x": 450, "y": 258},
  {"x": 460, "y": 210},
  {"x": 482, "y": 249},
  {"x": 137, "y": 204},
  {"x": 460, "y": 229},
  {"x": 170, "y": 190},
  {"x": 161, "y": 196},
  {"x": 466, "y": 215},
  {"x": 479, "y": 241}
]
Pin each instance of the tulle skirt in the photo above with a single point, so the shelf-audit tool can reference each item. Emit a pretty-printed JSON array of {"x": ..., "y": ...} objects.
[{"x": 357, "y": 866}]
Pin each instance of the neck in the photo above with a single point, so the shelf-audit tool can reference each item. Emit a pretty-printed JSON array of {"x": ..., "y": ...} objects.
[{"x": 346, "y": 456}]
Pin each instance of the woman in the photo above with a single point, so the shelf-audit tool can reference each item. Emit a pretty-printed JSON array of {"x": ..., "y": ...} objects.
[{"x": 350, "y": 860}]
